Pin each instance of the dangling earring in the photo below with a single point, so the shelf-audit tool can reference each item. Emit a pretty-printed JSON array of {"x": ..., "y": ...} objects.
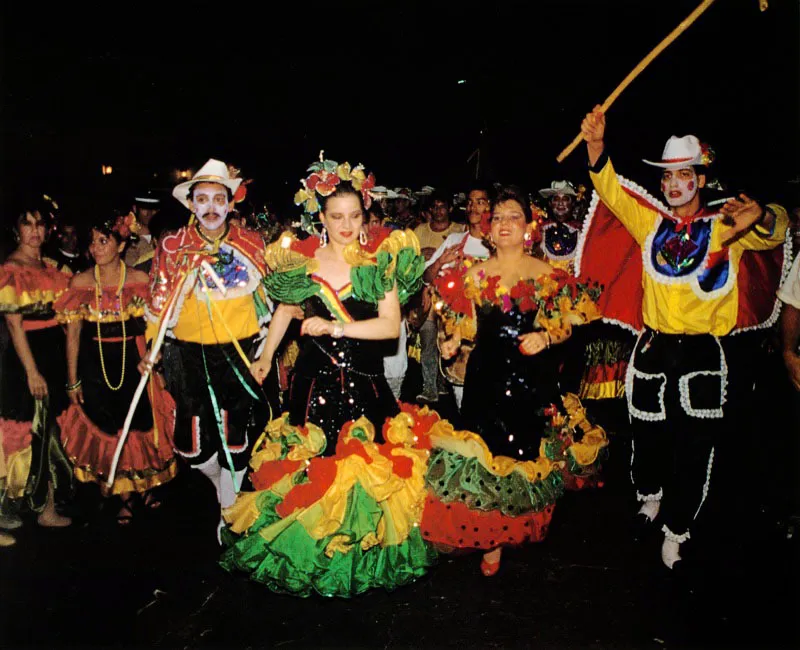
[
  {"x": 362, "y": 238},
  {"x": 324, "y": 237}
]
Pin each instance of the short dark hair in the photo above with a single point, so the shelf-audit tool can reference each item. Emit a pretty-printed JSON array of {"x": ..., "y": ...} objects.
[
  {"x": 515, "y": 193},
  {"x": 479, "y": 186},
  {"x": 442, "y": 196}
]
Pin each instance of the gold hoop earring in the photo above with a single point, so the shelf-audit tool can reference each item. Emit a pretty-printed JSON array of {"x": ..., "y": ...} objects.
[
  {"x": 362, "y": 238},
  {"x": 324, "y": 237}
]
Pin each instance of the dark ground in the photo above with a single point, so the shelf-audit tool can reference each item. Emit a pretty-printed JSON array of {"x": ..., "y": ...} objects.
[{"x": 588, "y": 585}]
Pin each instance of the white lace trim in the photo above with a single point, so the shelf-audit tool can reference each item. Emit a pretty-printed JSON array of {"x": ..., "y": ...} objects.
[
  {"x": 587, "y": 222},
  {"x": 625, "y": 326},
  {"x": 629, "y": 377},
  {"x": 707, "y": 483},
  {"x": 650, "y": 497},
  {"x": 689, "y": 278},
  {"x": 725, "y": 289},
  {"x": 685, "y": 394},
  {"x": 776, "y": 309},
  {"x": 672, "y": 537},
  {"x": 196, "y": 436}
]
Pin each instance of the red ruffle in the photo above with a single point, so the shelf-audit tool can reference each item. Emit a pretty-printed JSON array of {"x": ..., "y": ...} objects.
[
  {"x": 457, "y": 526},
  {"x": 25, "y": 279},
  {"x": 89, "y": 447},
  {"x": 78, "y": 299},
  {"x": 14, "y": 435}
]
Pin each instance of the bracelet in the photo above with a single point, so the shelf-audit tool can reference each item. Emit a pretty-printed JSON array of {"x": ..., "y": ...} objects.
[
  {"x": 71, "y": 388},
  {"x": 338, "y": 330}
]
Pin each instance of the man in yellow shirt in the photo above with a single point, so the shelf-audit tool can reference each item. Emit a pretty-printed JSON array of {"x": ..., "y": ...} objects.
[
  {"x": 695, "y": 284},
  {"x": 212, "y": 271}
]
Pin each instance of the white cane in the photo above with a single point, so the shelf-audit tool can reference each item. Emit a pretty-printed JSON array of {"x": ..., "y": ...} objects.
[{"x": 151, "y": 358}]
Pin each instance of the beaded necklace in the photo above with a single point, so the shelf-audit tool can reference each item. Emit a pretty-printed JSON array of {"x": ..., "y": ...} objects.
[{"x": 98, "y": 294}]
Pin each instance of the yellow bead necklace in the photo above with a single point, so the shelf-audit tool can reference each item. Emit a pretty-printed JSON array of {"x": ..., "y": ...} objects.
[{"x": 98, "y": 294}]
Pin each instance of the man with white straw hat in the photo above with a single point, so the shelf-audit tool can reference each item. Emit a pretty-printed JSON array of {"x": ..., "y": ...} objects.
[
  {"x": 681, "y": 276},
  {"x": 211, "y": 270}
]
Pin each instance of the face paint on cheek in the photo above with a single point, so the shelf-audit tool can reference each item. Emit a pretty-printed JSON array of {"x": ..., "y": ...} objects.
[{"x": 679, "y": 191}]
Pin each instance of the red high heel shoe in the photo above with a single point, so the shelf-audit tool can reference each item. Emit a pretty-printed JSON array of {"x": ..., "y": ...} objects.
[{"x": 489, "y": 568}]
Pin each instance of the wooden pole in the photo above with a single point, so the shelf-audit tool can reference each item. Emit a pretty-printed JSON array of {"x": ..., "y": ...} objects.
[{"x": 684, "y": 25}]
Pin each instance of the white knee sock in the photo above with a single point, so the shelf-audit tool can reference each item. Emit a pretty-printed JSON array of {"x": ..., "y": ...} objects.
[
  {"x": 650, "y": 509},
  {"x": 212, "y": 470},
  {"x": 670, "y": 552},
  {"x": 227, "y": 488}
]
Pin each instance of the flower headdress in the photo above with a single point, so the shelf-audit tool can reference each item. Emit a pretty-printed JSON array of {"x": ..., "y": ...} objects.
[
  {"x": 325, "y": 176},
  {"x": 707, "y": 154},
  {"x": 124, "y": 225}
]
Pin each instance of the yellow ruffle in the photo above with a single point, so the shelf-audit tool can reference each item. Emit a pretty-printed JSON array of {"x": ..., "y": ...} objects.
[
  {"x": 18, "y": 467},
  {"x": 594, "y": 437},
  {"x": 11, "y": 300},
  {"x": 281, "y": 258},
  {"x": 470, "y": 445},
  {"x": 268, "y": 446},
  {"x": 87, "y": 313}
]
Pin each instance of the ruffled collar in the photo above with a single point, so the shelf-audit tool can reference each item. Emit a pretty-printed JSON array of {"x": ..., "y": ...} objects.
[{"x": 80, "y": 303}]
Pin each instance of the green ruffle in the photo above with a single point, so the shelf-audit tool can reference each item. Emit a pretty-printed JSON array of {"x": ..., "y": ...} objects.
[
  {"x": 294, "y": 563},
  {"x": 372, "y": 281},
  {"x": 452, "y": 477},
  {"x": 291, "y": 287}
]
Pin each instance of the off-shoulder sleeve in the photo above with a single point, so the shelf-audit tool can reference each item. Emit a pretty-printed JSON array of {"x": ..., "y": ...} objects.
[
  {"x": 29, "y": 291},
  {"x": 397, "y": 261}
]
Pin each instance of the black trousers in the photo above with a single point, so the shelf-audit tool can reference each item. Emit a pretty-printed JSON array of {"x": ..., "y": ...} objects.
[
  {"x": 676, "y": 387},
  {"x": 197, "y": 434}
]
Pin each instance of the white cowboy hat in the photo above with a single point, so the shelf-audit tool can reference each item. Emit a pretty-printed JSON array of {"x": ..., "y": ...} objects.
[
  {"x": 214, "y": 171},
  {"x": 558, "y": 187},
  {"x": 680, "y": 152}
]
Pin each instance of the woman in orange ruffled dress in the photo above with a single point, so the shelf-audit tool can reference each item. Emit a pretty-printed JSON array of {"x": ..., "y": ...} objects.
[
  {"x": 35, "y": 472},
  {"x": 104, "y": 309}
]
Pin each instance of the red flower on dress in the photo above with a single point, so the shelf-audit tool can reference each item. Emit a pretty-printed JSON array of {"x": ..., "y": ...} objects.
[
  {"x": 490, "y": 290},
  {"x": 307, "y": 246},
  {"x": 450, "y": 286},
  {"x": 375, "y": 238}
]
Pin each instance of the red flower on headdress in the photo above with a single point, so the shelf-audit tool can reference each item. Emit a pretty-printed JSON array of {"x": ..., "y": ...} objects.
[
  {"x": 323, "y": 183},
  {"x": 123, "y": 225},
  {"x": 450, "y": 286},
  {"x": 366, "y": 186},
  {"x": 486, "y": 223}
]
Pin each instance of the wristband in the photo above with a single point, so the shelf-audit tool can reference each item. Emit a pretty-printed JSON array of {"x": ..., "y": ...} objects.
[{"x": 71, "y": 388}]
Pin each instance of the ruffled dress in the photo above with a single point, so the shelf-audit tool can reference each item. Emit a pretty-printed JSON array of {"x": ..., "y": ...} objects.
[
  {"x": 340, "y": 479},
  {"x": 497, "y": 483},
  {"x": 31, "y": 448},
  {"x": 111, "y": 346}
]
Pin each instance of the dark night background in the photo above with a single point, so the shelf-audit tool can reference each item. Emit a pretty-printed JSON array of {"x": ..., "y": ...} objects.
[{"x": 153, "y": 88}]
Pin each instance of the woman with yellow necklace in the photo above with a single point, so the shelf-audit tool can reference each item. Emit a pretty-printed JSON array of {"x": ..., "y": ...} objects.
[{"x": 104, "y": 311}]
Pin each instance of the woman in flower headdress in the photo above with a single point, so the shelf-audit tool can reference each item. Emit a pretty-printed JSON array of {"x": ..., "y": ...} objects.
[
  {"x": 36, "y": 472},
  {"x": 518, "y": 310},
  {"x": 340, "y": 482},
  {"x": 104, "y": 313}
]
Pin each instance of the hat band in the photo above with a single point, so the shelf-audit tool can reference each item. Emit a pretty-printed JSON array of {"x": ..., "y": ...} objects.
[
  {"x": 676, "y": 160},
  {"x": 210, "y": 177}
]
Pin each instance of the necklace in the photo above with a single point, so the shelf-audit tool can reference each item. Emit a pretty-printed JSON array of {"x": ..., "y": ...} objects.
[{"x": 98, "y": 294}]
